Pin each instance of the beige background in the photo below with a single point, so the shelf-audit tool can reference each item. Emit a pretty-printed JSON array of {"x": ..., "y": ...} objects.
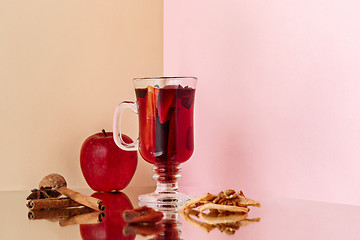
[{"x": 64, "y": 66}]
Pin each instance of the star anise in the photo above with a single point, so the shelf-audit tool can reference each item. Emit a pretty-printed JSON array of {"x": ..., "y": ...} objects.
[{"x": 43, "y": 192}]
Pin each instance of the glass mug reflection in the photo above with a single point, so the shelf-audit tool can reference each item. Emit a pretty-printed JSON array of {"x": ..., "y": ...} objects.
[{"x": 167, "y": 229}]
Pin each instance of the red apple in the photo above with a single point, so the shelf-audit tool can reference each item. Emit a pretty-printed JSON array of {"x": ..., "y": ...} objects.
[
  {"x": 113, "y": 223},
  {"x": 104, "y": 165}
]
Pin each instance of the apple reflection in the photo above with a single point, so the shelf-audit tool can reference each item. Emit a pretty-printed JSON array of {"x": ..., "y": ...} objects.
[{"x": 112, "y": 224}]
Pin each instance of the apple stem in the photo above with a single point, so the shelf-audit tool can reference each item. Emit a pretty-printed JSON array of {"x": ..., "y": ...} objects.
[{"x": 104, "y": 132}]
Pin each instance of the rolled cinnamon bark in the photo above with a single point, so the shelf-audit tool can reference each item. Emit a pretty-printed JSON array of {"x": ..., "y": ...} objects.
[
  {"x": 88, "y": 218},
  {"x": 51, "y": 203},
  {"x": 58, "y": 183},
  {"x": 85, "y": 200},
  {"x": 57, "y": 214}
]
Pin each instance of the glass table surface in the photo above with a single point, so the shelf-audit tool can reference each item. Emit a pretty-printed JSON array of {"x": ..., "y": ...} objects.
[{"x": 277, "y": 218}]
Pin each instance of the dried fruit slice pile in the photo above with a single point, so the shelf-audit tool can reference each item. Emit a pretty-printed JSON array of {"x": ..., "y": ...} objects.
[{"x": 227, "y": 211}]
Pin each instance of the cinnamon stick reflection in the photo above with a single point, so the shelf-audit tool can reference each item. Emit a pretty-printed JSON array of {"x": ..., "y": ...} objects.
[{"x": 87, "y": 218}]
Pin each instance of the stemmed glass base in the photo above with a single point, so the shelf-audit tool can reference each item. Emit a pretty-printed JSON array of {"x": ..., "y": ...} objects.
[{"x": 166, "y": 195}]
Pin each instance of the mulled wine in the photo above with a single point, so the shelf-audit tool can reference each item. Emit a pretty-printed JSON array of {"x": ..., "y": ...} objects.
[
  {"x": 166, "y": 129},
  {"x": 165, "y": 106}
]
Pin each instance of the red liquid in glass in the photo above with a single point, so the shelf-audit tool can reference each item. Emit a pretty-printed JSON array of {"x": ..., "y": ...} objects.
[{"x": 166, "y": 126}]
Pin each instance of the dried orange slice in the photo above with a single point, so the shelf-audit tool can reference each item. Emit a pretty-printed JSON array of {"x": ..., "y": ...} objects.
[
  {"x": 151, "y": 99},
  {"x": 150, "y": 118}
]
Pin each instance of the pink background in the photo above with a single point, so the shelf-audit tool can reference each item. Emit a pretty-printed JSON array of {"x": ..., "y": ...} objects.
[{"x": 277, "y": 105}]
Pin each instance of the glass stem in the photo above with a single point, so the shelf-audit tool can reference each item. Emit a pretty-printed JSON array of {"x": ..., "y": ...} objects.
[{"x": 167, "y": 177}]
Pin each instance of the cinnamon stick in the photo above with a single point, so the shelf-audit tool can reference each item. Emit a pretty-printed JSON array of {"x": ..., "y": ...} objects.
[
  {"x": 57, "y": 214},
  {"x": 51, "y": 203},
  {"x": 88, "y": 218},
  {"x": 58, "y": 183},
  {"x": 85, "y": 200}
]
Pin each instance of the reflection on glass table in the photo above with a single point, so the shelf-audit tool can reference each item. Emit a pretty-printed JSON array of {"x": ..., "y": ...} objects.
[
  {"x": 168, "y": 228},
  {"x": 280, "y": 219}
]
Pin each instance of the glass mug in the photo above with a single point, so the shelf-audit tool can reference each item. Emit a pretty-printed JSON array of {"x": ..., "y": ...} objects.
[{"x": 165, "y": 108}]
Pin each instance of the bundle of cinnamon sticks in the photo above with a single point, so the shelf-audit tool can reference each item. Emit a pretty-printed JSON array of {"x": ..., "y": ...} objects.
[{"x": 47, "y": 205}]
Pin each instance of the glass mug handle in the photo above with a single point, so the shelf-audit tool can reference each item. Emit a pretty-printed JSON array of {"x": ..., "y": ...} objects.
[{"x": 134, "y": 146}]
